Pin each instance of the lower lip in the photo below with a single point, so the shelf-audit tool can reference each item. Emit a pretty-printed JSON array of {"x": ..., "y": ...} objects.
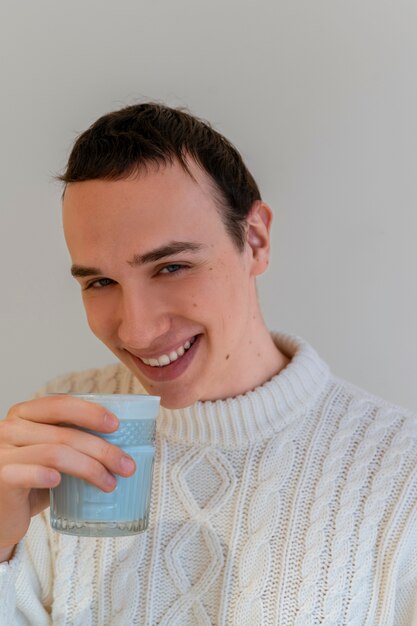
[{"x": 171, "y": 371}]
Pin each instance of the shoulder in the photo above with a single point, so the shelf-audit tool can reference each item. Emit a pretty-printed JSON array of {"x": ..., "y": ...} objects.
[
  {"x": 371, "y": 436},
  {"x": 368, "y": 415},
  {"x": 114, "y": 378},
  {"x": 355, "y": 395}
]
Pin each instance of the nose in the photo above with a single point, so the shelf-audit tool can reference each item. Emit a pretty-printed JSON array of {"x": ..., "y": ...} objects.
[{"x": 142, "y": 320}]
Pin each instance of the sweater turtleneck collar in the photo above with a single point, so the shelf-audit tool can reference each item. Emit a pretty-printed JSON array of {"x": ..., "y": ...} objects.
[{"x": 257, "y": 414}]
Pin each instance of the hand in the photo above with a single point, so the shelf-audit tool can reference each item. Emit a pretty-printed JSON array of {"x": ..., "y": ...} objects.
[{"x": 36, "y": 445}]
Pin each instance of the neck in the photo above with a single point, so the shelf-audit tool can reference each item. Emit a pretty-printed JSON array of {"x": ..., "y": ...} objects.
[
  {"x": 261, "y": 356},
  {"x": 274, "y": 359},
  {"x": 268, "y": 358}
]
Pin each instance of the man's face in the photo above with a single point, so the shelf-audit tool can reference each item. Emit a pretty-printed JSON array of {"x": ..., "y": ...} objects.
[{"x": 164, "y": 286}]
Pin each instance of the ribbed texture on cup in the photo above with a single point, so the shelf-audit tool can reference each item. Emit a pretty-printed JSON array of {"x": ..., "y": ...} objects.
[{"x": 80, "y": 508}]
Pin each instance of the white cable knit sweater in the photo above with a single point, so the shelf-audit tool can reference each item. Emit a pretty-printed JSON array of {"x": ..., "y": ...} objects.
[{"x": 292, "y": 505}]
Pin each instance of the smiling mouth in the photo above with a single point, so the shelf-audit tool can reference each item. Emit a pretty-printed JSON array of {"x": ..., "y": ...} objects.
[{"x": 166, "y": 359}]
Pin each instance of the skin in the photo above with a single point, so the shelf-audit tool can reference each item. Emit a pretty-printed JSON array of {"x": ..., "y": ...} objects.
[
  {"x": 143, "y": 305},
  {"x": 146, "y": 309}
]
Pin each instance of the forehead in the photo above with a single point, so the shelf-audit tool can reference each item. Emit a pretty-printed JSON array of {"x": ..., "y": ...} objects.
[{"x": 158, "y": 204}]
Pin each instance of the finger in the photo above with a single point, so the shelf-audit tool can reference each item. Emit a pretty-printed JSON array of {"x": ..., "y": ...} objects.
[
  {"x": 22, "y": 433},
  {"x": 67, "y": 460},
  {"x": 65, "y": 409},
  {"x": 29, "y": 476}
]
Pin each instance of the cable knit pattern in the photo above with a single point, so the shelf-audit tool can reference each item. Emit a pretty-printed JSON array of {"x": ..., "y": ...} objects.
[
  {"x": 294, "y": 504},
  {"x": 212, "y": 557},
  {"x": 352, "y": 517},
  {"x": 85, "y": 552},
  {"x": 390, "y": 478},
  {"x": 64, "y": 600},
  {"x": 125, "y": 581},
  {"x": 318, "y": 531},
  {"x": 264, "y": 515}
]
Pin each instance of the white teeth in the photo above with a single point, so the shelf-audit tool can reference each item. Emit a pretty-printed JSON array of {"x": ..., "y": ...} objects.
[{"x": 165, "y": 359}]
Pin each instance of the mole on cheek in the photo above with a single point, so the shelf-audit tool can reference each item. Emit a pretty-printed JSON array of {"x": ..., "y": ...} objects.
[{"x": 227, "y": 356}]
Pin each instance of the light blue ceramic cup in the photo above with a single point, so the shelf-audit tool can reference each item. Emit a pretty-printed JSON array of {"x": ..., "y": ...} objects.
[{"x": 79, "y": 508}]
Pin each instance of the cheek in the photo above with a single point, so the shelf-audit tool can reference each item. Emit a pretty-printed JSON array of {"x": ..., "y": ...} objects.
[
  {"x": 194, "y": 295},
  {"x": 99, "y": 318},
  {"x": 226, "y": 300}
]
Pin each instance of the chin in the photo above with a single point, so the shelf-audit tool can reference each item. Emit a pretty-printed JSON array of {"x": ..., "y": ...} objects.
[{"x": 176, "y": 401}]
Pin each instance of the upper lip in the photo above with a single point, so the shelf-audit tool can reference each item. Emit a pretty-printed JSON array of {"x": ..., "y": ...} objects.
[{"x": 166, "y": 350}]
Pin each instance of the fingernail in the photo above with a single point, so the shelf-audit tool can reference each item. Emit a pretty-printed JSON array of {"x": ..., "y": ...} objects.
[
  {"x": 54, "y": 478},
  {"x": 127, "y": 464},
  {"x": 110, "y": 420},
  {"x": 110, "y": 480}
]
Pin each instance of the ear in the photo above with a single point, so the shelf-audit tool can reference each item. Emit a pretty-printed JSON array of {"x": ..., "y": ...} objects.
[{"x": 258, "y": 235}]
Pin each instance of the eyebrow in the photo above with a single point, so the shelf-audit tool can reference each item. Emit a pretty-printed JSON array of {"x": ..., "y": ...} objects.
[{"x": 173, "y": 247}]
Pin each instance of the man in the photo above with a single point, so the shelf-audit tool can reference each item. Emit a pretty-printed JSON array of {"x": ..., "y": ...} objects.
[{"x": 282, "y": 495}]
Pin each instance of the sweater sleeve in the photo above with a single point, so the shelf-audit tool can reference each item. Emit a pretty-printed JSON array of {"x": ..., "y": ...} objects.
[
  {"x": 406, "y": 583},
  {"x": 8, "y": 575},
  {"x": 406, "y": 602},
  {"x": 26, "y": 580}
]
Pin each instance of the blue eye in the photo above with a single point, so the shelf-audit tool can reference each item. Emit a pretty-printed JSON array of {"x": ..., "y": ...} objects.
[
  {"x": 172, "y": 269},
  {"x": 100, "y": 283}
]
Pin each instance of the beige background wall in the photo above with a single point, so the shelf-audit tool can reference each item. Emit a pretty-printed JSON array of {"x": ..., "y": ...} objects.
[{"x": 321, "y": 99}]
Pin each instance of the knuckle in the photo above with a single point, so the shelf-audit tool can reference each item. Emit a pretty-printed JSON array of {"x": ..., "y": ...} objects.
[
  {"x": 65, "y": 435},
  {"x": 55, "y": 453},
  {"x": 106, "y": 452},
  {"x": 99, "y": 474},
  {"x": 15, "y": 410},
  {"x": 6, "y": 430}
]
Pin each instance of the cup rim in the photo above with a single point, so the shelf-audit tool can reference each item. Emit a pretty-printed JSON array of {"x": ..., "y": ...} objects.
[
  {"x": 147, "y": 405},
  {"x": 106, "y": 396}
]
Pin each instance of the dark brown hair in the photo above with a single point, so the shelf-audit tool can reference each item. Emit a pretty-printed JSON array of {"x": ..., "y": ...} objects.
[{"x": 123, "y": 141}]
